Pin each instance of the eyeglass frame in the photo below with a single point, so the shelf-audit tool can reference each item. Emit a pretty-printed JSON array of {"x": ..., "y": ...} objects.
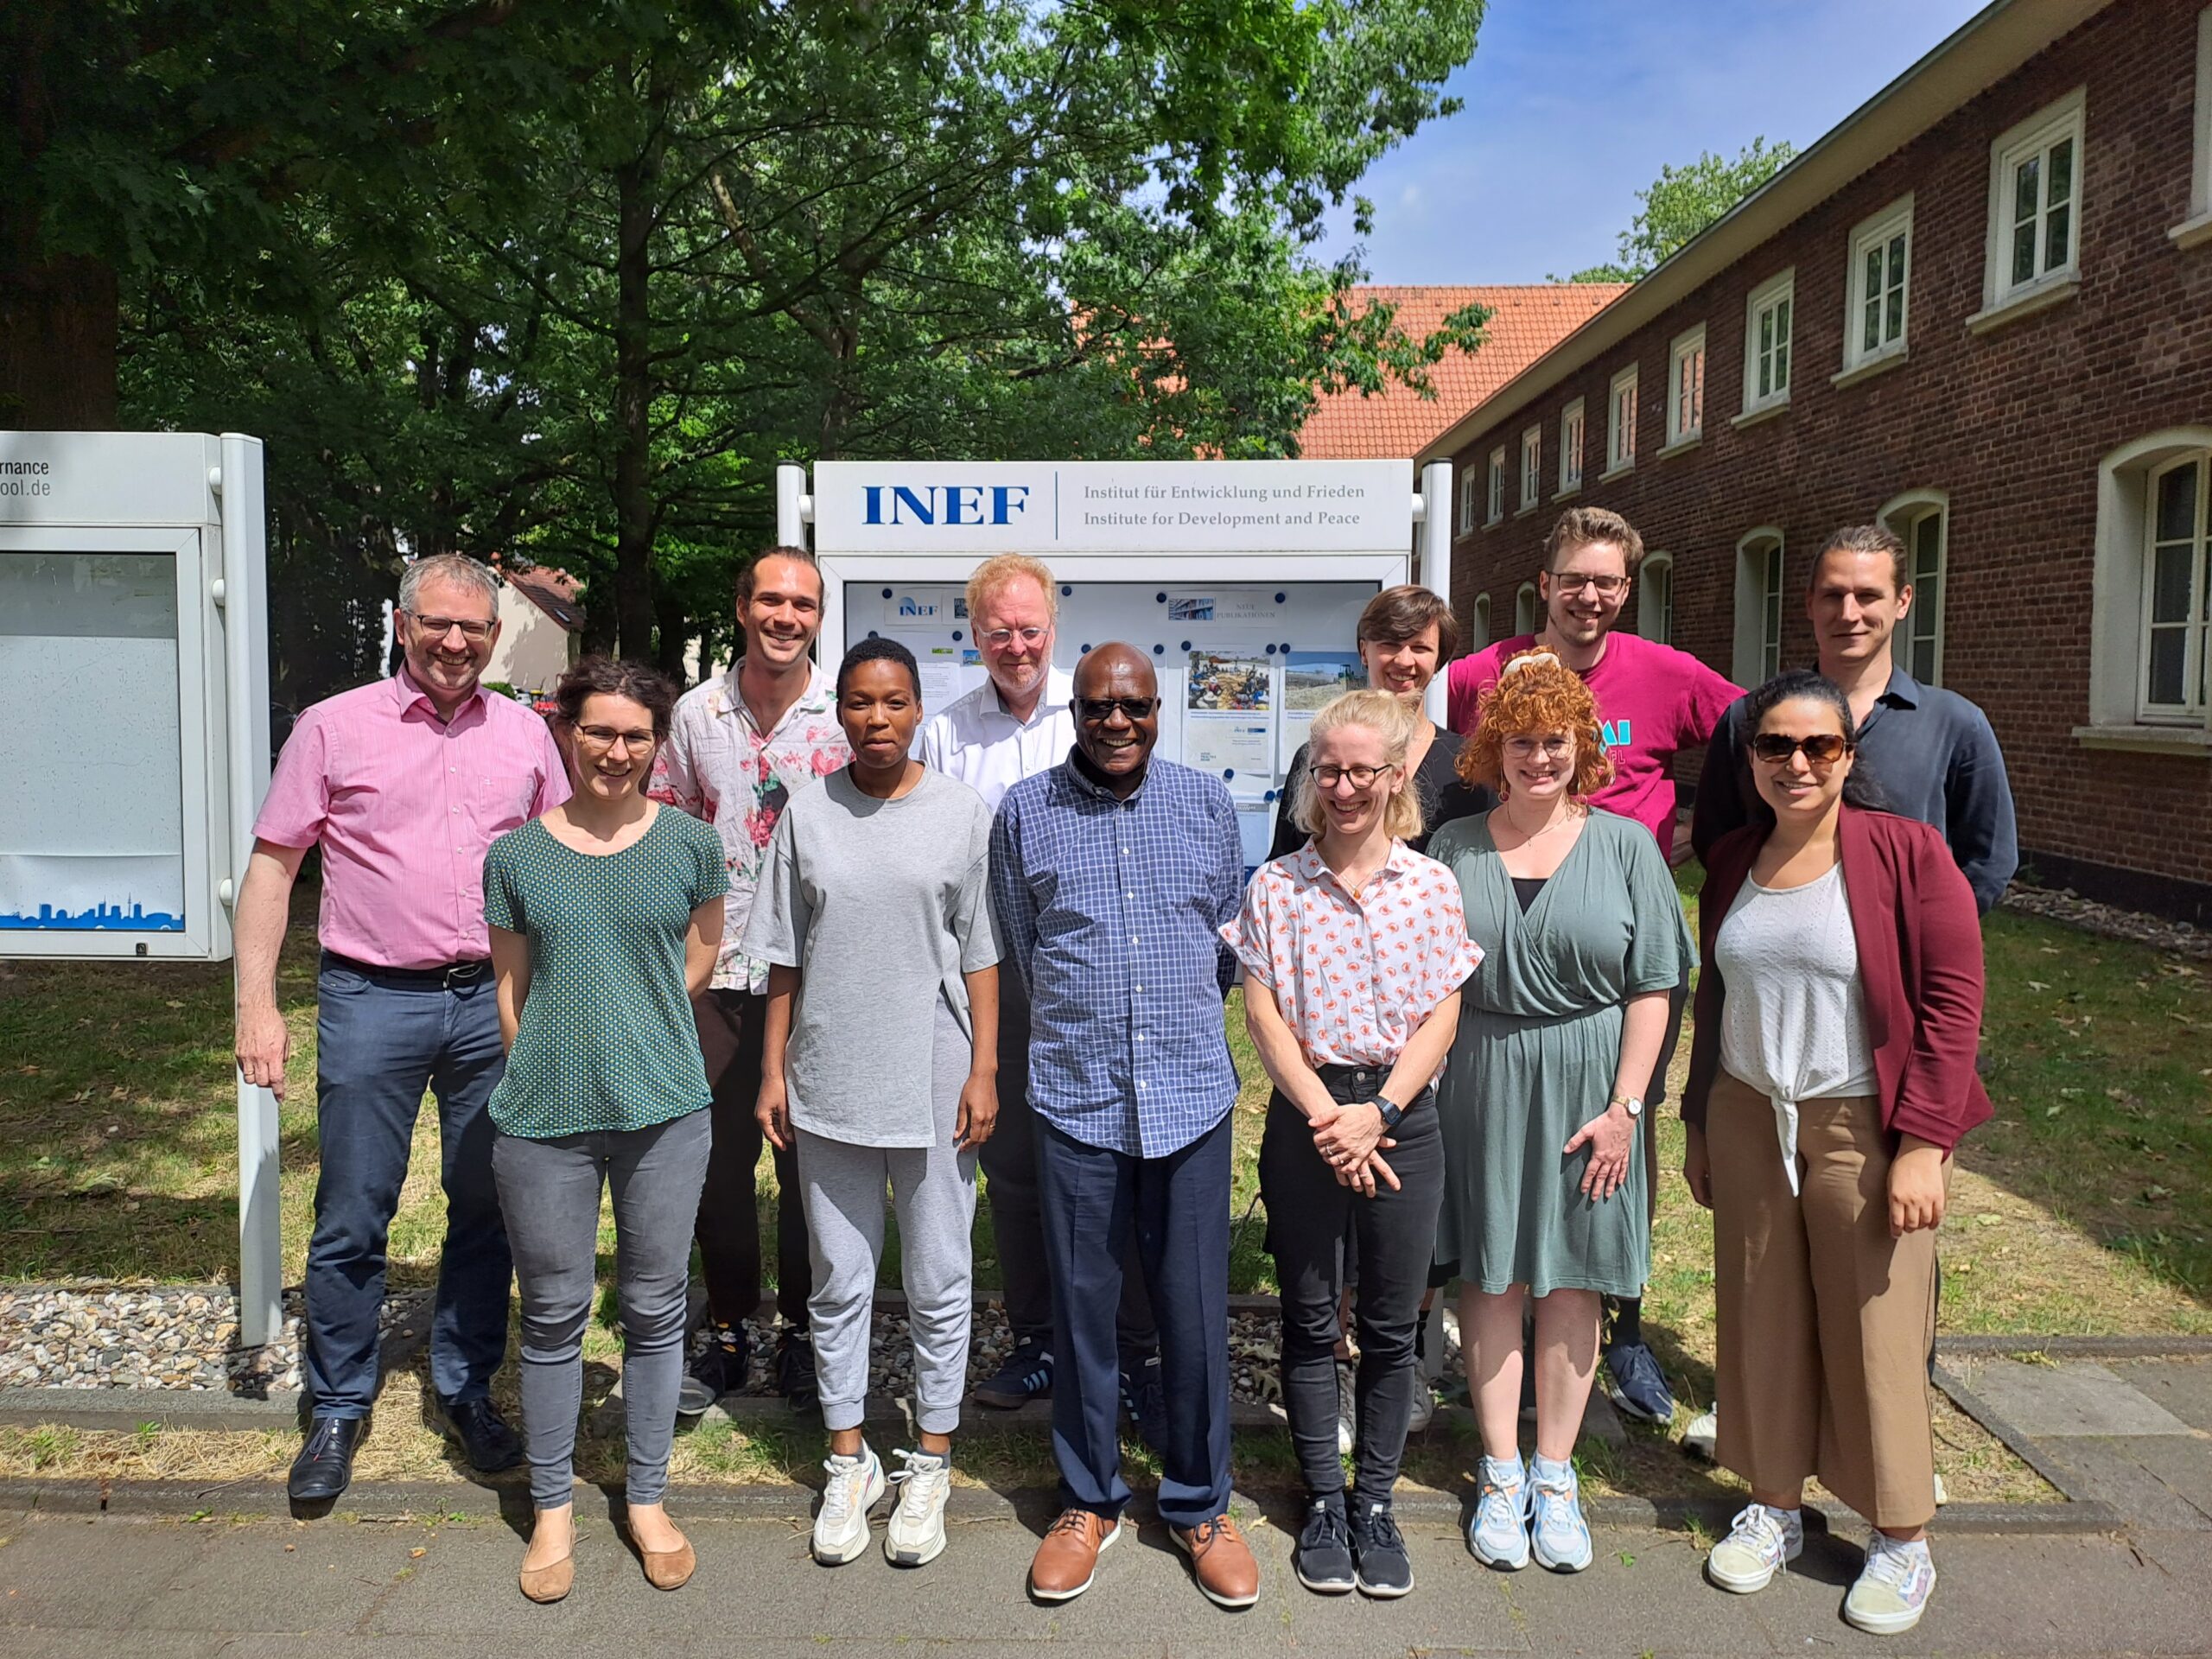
[
  {"x": 438, "y": 626},
  {"x": 1344, "y": 774},
  {"x": 1798, "y": 746}
]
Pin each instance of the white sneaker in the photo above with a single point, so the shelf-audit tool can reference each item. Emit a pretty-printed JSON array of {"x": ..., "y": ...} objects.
[
  {"x": 916, "y": 1534},
  {"x": 1561, "y": 1537},
  {"x": 1761, "y": 1542},
  {"x": 1893, "y": 1586},
  {"x": 1424, "y": 1406},
  {"x": 1498, "y": 1537},
  {"x": 855, "y": 1486},
  {"x": 1703, "y": 1434}
]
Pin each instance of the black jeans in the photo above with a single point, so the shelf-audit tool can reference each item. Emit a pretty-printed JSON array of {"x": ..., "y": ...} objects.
[
  {"x": 732, "y": 1024},
  {"x": 1308, "y": 1214}
]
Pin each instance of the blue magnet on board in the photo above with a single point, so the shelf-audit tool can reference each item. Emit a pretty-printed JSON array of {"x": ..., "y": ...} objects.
[
  {"x": 1160, "y": 599},
  {"x": 1186, "y": 645},
  {"x": 886, "y": 594},
  {"x": 1271, "y": 651},
  {"x": 1066, "y": 590},
  {"x": 955, "y": 636},
  {"x": 1086, "y": 648},
  {"x": 1269, "y": 796},
  {"x": 871, "y": 633},
  {"x": 1229, "y": 771},
  {"x": 1159, "y": 651},
  {"x": 1281, "y": 597}
]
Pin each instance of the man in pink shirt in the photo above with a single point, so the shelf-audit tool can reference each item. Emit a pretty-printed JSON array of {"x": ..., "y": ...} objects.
[
  {"x": 1653, "y": 701},
  {"x": 404, "y": 784}
]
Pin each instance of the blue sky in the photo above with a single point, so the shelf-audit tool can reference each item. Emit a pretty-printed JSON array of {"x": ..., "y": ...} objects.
[{"x": 1572, "y": 106}]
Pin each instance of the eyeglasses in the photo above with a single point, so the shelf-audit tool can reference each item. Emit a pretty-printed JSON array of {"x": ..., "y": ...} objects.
[
  {"x": 1362, "y": 777},
  {"x": 1821, "y": 750},
  {"x": 1000, "y": 639},
  {"x": 1554, "y": 748},
  {"x": 438, "y": 626},
  {"x": 1102, "y": 709},
  {"x": 605, "y": 737},
  {"x": 1572, "y": 581}
]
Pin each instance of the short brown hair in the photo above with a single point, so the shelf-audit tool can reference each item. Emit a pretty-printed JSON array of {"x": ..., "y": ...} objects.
[
  {"x": 1536, "y": 694},
  {"x": 1579, "y": 526},
  {"x": 613, "y": 676},
  {"x": 1866, "y": 538},
  {"x": 1403, "y": 613},
  {"x": 796, "y": 554},
  {"x": 995, "y": 572}
]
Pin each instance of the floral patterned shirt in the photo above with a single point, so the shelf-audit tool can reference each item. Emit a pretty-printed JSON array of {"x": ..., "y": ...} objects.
[
  {"x": 718, "y": 766},
  {"x": 1354, "y": 974}
]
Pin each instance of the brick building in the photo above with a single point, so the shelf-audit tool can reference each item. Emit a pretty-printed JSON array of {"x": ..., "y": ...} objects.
[{"x": 1979, "y": 311}]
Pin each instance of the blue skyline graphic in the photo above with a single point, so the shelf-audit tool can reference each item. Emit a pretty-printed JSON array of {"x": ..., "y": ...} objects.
[{"x": 97, "y": 918}]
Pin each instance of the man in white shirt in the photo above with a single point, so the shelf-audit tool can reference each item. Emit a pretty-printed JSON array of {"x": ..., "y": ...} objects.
[{"x": 1019, "y": 723}]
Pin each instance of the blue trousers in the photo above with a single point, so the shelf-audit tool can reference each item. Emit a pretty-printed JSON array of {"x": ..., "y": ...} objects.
[
  {"x": 1176, "y": 1208},
  {"x": 379, "y": 1044}
]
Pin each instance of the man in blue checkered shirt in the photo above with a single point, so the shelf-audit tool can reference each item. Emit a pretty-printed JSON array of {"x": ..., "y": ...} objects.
[{"x": 1110, "y": 875}]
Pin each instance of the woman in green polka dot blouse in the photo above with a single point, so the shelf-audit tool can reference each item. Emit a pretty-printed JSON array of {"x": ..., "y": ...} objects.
[{"x": 606, "y": 914}]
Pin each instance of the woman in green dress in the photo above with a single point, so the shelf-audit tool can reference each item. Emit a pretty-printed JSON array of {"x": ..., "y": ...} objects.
[{"x": 1542, "y": 1100}]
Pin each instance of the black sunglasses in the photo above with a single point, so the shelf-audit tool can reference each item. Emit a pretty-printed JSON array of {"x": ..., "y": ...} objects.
[
  {"x": 1822, "y": 749},
  {"x": 1097, "y": 708}
]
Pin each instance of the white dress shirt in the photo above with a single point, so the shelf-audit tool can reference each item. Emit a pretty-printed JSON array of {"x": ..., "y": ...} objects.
[{"x": 979, "y": 742}]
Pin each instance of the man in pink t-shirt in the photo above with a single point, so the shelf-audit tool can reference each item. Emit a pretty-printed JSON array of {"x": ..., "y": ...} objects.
[{"x": 1653, "y": 701}]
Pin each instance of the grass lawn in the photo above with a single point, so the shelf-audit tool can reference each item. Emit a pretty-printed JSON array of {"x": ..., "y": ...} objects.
[{"x": 2084, "y": 1208}]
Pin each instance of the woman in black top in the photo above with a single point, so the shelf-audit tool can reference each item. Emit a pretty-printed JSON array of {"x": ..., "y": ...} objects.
[{"x": 1406, "y": 634}]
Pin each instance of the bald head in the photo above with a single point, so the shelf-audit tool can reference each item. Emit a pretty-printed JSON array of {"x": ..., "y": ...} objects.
[{"x": 1116, "y": 713}]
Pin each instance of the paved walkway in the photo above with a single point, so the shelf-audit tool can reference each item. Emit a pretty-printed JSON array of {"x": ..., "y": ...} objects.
[{"x": 73, "y": 1585}]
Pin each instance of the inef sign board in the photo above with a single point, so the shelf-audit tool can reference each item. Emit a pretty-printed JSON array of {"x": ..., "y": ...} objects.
[
  {"x": 1243, "y": 581},
  {"x": 133, "y": 649}
]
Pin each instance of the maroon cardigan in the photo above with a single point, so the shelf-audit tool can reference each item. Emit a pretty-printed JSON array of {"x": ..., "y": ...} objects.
[{"x": 1919, "y": 956}]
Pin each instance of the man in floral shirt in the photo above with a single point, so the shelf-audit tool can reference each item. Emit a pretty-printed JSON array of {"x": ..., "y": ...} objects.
[{"x": 742, "y": 745}]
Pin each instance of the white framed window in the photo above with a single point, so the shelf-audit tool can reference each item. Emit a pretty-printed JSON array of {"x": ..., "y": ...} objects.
[
  {"x": 1620, "y": 422},
  {"x": 1767, "y": 319},
  {"x": 2197, "y": 227},
  {"x": 1482, "y": 623},
  {"x": 1758, "y": 607},
  {"x": 1570, "y": 448},
  {"x": 1686, "y": 387},
  {"x": 1875, "y": 312},
  {"x": 1921, "y": 519},
  {"x": 2177, "y": 592},
  {"x": 1466, "y": 500},
  {"x": 1532, "y": 467},
  {"x": 1654, "y": 598},
  {"x": 1524, "y": 609},
  {"x": 2035, "y": 205},
  {"x": 1494, "y": 508}
]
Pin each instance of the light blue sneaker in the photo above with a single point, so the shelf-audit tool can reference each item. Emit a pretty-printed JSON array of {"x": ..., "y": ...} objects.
[
  {"x": 1562, "y": 1535},
  {"x": 1498, "y": 1535},
  {"x": 1893, "y": 1586}
]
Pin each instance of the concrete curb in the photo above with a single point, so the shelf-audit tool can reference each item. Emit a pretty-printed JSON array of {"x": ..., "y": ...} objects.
[
  {"x": 2077, "y": 1347},
  {"x": 127, "y": 1409}
]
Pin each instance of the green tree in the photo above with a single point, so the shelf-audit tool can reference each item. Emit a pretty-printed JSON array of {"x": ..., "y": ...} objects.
[{"x": 1681, "y": 202}]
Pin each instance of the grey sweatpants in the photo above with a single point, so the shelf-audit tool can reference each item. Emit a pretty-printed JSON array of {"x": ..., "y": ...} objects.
[
  {"x": 549, "y": 1190},
  {"x": 933, "y": 1192}
]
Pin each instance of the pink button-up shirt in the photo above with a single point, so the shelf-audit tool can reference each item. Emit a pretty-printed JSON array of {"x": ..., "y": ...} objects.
[
  {"x": 1354, "y": 974},
  {"x": 404, "y": 806}
]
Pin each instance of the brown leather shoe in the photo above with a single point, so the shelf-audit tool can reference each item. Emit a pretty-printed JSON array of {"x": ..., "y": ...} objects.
[
  {"x": 1222, "y": 1562},
  {"x": 551, "y": 1581},
  {"x": 1068, "y": 1559}
]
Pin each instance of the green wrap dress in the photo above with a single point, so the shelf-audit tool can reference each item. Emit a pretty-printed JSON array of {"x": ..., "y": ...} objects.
[{"x": 1535, "y": 1059}]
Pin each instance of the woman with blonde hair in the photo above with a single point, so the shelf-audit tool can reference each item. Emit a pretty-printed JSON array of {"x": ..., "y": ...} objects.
[
  {"x": 1354, "y": 949},
  {"x": 1541, "y": 1099}
]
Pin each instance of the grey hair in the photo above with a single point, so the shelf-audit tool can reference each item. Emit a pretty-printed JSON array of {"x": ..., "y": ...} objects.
[{"x": 457, "y": 567}]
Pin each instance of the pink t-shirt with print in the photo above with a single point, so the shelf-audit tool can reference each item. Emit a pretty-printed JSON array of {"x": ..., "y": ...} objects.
[{"x": 1652, "y": 700}]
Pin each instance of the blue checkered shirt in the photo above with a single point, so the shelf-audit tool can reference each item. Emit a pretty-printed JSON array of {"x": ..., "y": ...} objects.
[{"x": 1109, "y": 909}]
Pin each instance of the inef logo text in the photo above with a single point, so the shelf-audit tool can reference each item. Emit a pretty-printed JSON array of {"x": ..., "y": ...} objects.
[{"x": 947, "y": 503}]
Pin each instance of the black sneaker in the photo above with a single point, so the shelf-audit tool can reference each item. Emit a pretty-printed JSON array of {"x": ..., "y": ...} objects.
[
  {"x": 1384, "y": 1571},
  {"x": 1144, "y": 1397},
  {"x": 1639, "y": 1389},
  {"x": 1026, "y": 1375},
  {"x": 795, "y": 1370},
  {"x": 721, "y": 1368},
  {"x": 1322, "y": 1556}
]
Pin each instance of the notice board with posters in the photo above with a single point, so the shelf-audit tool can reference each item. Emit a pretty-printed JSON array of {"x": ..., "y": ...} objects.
[{"x": 1243, "y": 581}]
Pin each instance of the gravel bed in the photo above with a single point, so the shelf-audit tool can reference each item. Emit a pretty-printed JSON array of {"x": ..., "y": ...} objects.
[{"x": 2111, "y": 921}]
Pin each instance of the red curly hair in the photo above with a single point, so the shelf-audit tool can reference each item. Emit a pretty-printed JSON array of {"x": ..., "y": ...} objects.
[{"x": 1535, "y": 695}]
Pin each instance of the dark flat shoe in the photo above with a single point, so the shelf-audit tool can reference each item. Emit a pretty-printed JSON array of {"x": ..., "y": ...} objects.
[{"x": 489, "y": 1444}]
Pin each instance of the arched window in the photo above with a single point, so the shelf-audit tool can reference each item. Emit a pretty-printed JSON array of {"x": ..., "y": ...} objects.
[
  {"x": 1758, "y": 607},
  {"x": 1482, "y": 623},
  {"x": 1654, "y": 598},
  {"x": 2151, "y": 621},
  {"x": 1524, "y": 609},
  {"x": 1921, "y": 521},
  {"x": 2177, "y": 590}
]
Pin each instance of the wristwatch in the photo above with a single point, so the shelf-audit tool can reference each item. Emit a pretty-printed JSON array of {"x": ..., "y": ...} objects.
[
  {"x": 1392, "y": 1112},
  {"x": 1634, "y": 1107}
]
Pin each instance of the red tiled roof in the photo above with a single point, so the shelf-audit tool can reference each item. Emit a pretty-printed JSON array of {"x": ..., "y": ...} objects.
[
  {"x": 1526, "y": 321},
  {"x": 553, "y": 591}
]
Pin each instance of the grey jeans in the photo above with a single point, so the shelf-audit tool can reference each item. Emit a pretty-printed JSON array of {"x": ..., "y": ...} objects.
[{"x": 550, "y": 1193}]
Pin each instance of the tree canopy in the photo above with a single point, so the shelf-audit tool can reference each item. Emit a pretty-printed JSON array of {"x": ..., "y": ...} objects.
[
  {"x": 1681, "y": 202},
  {"x": 562, "y": 283}
]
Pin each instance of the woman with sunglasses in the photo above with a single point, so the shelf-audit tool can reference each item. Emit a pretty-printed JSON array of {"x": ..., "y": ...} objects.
[
  {"x": 606, "y": 914},
  {"x": 1354, "y": 948},
  {"x": 1542, "y": 1095},
  {"x": 1838, "y": 1017}
]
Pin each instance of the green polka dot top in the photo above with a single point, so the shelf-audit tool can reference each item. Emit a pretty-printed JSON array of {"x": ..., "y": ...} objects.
[{"x": 606, "y": 1041}]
